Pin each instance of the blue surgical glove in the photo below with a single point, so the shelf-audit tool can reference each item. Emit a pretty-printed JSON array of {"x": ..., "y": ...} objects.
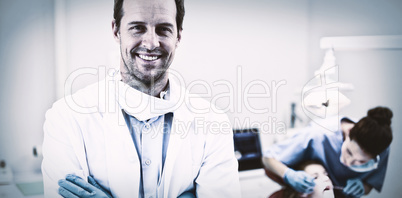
[
  {"x": 186, "y": 195},
  {"x": 299, "y": 180},
  {"x": 74, "y": 186},
  {"x": 354, "y": 188}
]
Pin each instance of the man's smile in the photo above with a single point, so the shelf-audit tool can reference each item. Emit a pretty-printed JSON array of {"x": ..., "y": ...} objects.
[{"x": 148, "y": 57}]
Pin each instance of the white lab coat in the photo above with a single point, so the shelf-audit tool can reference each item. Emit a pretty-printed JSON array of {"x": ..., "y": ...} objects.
[{"x": 91, "y": 137}]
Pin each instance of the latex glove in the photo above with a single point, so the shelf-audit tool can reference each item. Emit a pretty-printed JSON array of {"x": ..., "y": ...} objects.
[
  {"x": 186, "y": 195},
  {"x": 354, "y": 188},
  {"x": 74, "y": 186},
  {"x": 299, "y": 180}
]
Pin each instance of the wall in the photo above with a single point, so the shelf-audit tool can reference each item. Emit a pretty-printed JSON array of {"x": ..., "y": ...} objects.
[
  {"x": 26, "y": 78},
  {"x": 89, "y": 41},
  {"x": 374, "y": 73},
  {"x": 246, "y": 42}
]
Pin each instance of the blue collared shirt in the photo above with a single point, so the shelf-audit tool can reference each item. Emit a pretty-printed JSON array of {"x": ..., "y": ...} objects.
[{"x": 151, "y": 138}]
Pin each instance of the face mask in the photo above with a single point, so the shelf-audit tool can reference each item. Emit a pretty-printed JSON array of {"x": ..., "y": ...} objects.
[{"x": 369, "y": 166}]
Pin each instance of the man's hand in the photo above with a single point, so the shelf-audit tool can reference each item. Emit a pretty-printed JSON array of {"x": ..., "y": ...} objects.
[
  {"x": 354, "y": 188},
  {"x": 73, "y": 187},
  {"x": 299, "y": 180}
]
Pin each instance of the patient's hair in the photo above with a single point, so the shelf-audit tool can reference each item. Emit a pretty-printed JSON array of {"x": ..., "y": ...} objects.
[
  {"x": 373, "y": 133},
  {"x": 304, "y": 164}
]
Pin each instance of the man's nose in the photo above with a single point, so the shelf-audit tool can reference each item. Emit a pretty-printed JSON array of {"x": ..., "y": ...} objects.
[{"x": 150, "y": 41}]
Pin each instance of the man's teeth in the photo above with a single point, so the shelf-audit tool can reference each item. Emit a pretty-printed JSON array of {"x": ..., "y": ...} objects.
[{"x": 148, "y": 58}]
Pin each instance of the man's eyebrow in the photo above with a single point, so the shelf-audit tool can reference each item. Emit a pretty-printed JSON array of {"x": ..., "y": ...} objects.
[
  {"x": 166, "y": 24},
  {"x": 136, "y": 23}
]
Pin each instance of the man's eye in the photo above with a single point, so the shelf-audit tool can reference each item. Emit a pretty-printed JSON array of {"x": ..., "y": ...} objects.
[
  {"x": 137, "y": 28},
  {"x": 165, "y": 29}
]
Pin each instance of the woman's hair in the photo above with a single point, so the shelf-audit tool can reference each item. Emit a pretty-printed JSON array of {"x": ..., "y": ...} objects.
[{"x": 373, "y": 133}]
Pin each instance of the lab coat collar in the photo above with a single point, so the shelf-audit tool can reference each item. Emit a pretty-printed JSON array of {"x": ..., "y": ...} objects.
[{"x": 143, "y": 106}]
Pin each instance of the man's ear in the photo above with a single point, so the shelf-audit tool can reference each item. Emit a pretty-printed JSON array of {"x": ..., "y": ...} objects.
[
  {"x": 178, "y": 37},
  {"x": 116, "y": 31}
]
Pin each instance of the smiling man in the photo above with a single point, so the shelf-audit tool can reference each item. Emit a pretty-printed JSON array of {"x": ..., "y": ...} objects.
[
  {"x": 148, "y": 37},
  {"x": 145, "y": 141}
]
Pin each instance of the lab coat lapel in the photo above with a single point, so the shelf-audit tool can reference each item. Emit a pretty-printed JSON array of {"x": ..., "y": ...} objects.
[
  {"x": 121, "y": 156},
  {"x": 174, "y": 146},
  {"x": 182, "y": 123}
]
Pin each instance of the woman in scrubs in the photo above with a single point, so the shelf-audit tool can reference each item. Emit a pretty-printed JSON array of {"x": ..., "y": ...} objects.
[{"x": 355, "y": 156}]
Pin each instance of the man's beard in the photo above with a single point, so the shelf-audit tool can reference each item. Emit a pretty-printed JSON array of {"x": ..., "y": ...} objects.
[{"x": 133, "y": 76}]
